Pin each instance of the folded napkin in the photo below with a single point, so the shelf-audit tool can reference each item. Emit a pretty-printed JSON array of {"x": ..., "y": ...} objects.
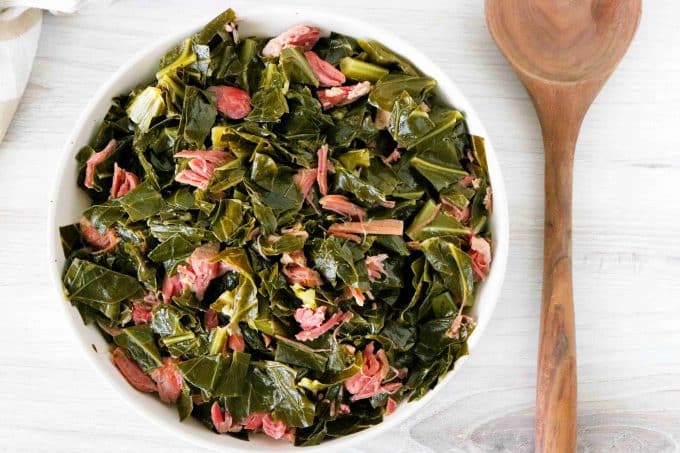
[
  {"x": 20, "y": 22},
  {"x": 19, "y": 34}
]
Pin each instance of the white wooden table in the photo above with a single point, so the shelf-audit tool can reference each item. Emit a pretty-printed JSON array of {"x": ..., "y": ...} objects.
[{"x": 626, "y": 242}]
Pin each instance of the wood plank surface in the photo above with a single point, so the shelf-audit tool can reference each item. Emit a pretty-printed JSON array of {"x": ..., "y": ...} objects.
[{"x": 626, "y": 242}]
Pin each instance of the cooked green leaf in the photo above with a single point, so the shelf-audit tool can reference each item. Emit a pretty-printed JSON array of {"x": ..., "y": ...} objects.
[
  {"x": 300, "y": 258},
  {"x": 389, "y": 88},
  {"x": 198, "y": 115},
  {"x": 296, "y": 67},
  {"x": 142, "y": 202},
  {"x": 99, "y": 287},
  {"x": 454, "y": 265},
  {"x": 296, "y": 353},
  {"x": 381, "y": 55},
  {"x": 145, "y": 107},
  {"x": 139, "y": 343}
]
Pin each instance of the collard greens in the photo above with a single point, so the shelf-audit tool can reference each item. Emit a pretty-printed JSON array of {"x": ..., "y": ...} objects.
[{"x": 285, "y": 235}]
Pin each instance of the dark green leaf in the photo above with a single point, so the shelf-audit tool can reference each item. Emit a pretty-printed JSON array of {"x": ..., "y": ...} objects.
[
  {"x": 367, "y": 194},
  {"x": 380, "y": 54},
  {"x": 360, "y": 70},
  {"x": 106, "y": 214},
  {"x": 227, "y": 219},
  {"x": 335, "y": 47},
  {"x": 216, "y": 27},
  {"x": 142, "y": 202},
  {"x": 389, "y": 88},
  {"x": 434, "y": 222},
  {"x": 454, "y": 265},
  {"x": 198, "y": 115},
  {"x": 99, "y": 287},
  {"x": 140, "y": 344},
  {"x": 292, "y": 406},
  {"x": 296, "y": 353},
  {"x": 175, "y": 248},
  {"x": 296, "y": 67},
  {"x": 70, "y": 239}
]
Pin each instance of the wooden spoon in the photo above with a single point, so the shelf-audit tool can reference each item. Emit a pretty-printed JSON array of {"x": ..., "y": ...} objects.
[{"x": 563, "y": 52}]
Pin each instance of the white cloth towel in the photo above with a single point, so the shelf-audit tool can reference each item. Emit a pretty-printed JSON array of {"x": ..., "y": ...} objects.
[
  {"x": 20, "y": 23},
  {"x": 19, "y": 34}
]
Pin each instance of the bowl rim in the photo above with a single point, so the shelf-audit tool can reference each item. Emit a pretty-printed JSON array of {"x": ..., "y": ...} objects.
[{"x": 499, "y": 220}]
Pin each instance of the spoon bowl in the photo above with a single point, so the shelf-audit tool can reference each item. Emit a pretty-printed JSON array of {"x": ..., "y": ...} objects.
[
  {"x": 563, "y": 40},
  {"x": 563, "y": 52}
]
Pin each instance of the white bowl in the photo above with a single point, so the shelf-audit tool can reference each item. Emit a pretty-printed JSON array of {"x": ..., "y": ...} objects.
[{"x": 68, "y": 202}]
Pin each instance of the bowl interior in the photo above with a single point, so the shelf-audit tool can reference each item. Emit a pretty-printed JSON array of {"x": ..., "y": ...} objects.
[{"x": 68, "y": 202}]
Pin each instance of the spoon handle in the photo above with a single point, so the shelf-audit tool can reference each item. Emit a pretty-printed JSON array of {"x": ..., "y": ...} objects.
[{"x": 556, "y": 384}]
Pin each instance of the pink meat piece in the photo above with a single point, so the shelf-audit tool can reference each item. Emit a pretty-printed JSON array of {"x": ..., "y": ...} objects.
[
  {"x": 394, "y": 156},
  {"x": 376, "y": 267},
  {"x": 297, "y": 257},
  {"x": 358, "y": 295},
  {"x": 368, "y": 382},
  {"x": 336, "y": 96},
  {"x": 222, "y": 420},
  {"x": 140, "y": 314},
  {"x": 172, "y": 286},
  {"x": 232, "y": 102},
  {"x": 304, "y": 179},
  {"x": 199, "y": 271},
  {"x": 310, "y": 318},
  {"x": 342, "y": 205},
  {"x": 296, "y": 271},
  {"x": 236, "y": 342},
  {"x": 480, "y": 252},
  {"x": 201, "y": 166},
  {"x": 391, "y": 406},
  {"x": 303, "y": 36},
  {"x": 275, "y": 429},
  {"x": 302, "y": 275},
  {"x": 142, "y": 309},
  {"x": 385, "y": 226},
  {"x": 462, "y": 215},
  {"x": 151, "y": 299},
  {"x": 349, "y": 348},
  {"x": 132, "y": 372},
  {"x": 123, "y": 182},
  {"x": 391, "y": 387},
  {"x": 210, "y": 319},
  {"x": 96, "y": 159},
  {"x": 99, "y": 242},
  {"x": 469, "y": 181},
  {"x": 253, "y": 421},
  {"x": 328, "y": 75},
  {"x": 322, "y": 169},
  {"x": 316, "y": 332},
  {"x": 169, "y": 380},
  {"x": 197, "y": 400}
]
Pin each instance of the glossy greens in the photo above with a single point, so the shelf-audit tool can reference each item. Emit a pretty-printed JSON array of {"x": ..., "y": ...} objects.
[{"x": 285, "y": 235}]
